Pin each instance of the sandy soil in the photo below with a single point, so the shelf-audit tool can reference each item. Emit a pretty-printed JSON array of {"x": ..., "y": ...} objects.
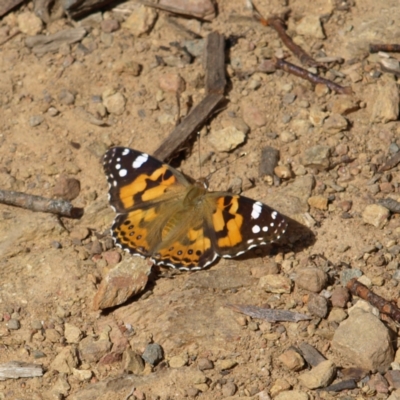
[{"x": 50, "y": 277}]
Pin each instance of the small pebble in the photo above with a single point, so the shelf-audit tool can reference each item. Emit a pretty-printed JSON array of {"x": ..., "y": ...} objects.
[
  {"x": 66, "y": 97},
  {"x": 36, "y": 120},
  {"x": 72, "y": 333},
  {"x": 283, "y": 172},
  {"x": 376, "y": 215},
  {"x": 275, "y": 283},
  {"x": 109, "y": 25},
  {"x": 311, "y": 279},
  {"x": 226, "y": 364},
  {"x": 36, "y": 324},
  {"x": 132, "y": 362},
  {"x": 38, "y": 354},
  {"x": 112, "y": 257},
  {"x": 289, "y": 98},
  {"x": 55, "y": 244},
  {"x": 335, "y": 123},
  {"x": 317, "y": 157},
  {"x": 340, "y": 297},
  {"x": 393, "y": 148},
  {"x": 13, "y": 324},
  {"x": 192, "y": 392},
  {"x": 115, "y": 103},
  {"x": 153, "y": 354},
  {"x": 319, "y": 202},
  {"x": 52, "y": 111},
  {"x": 178, "y": 361},
  {"x": 29, "y": 23},
  {"x": 292, "y": 360},
  {"x": 96, "y": 248},
  {"x": 287, "y": 137},
  {"x": 172, "y": 82},
  {"x": 319, "y": 376},
  {"x": 349, "y": 274},
  {"x": 317, "y": 305},
  {"x": 204, "y": 363},
  {"x": 229, "y": 389}
]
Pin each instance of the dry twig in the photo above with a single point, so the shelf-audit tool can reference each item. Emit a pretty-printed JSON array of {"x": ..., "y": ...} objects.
[
  {"x": 62, "y": 208},
  {"x": 268, "y": 314},
  {"x": 309, "y": 76},
  {"x": 389, "y": 48},
  {"x": 278, "y": 24},
  {"x": 215, "y": 85},
  {"x": 8, "y": 5},
  {"x": 340, "y": 386},
  {"x": 19, "y": 369},
  {"x": 10, "y": 37},
  {"x": 383, "y": 305}
]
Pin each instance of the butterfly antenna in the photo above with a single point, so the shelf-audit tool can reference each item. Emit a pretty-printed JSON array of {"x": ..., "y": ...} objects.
[
  {"x": 224, "y": 166},
  {"x": 198, "y": 149}
]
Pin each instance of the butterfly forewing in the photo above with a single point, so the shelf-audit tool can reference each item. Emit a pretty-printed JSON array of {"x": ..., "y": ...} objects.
[{"x": 138, "y": 180}]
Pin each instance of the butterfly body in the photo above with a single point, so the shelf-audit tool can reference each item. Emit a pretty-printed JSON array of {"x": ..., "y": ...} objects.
[{"x": 163, "y": 216}]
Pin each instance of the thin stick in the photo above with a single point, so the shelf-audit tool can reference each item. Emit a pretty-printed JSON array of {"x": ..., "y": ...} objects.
[
  {"x": 278, "y": 24},
  {"x": 9, "y": 37},
  {"x": 215, "y": 85},
  {"x": 62, "y": 208},
  {"x": 309, "y": 76},
  {"x": 384, "y": 306},
  {"x": 191, "y": 124},
  {"x": 268, "y": 314},
  {"x": 389, "y": 48},
  {"x": 19, "y": 369},
  {"x": 280, "y": 27},
  {"x": 8, "y": 5}
]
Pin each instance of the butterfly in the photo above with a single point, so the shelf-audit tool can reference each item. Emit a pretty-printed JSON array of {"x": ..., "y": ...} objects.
[{"x": 161, "y": 214}]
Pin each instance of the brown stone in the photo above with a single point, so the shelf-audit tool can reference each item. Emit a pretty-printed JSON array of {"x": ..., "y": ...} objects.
[
  {"x": 67, "y": 188},
  {"x": 292, "y": 360},
  {"x": 125, "y": 280}
]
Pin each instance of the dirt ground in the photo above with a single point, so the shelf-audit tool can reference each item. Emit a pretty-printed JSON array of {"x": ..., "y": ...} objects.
[{"x": 49, "y": 268}]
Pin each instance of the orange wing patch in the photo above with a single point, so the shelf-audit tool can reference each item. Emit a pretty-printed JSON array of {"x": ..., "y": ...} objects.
[
  {"x": 187, "y": 252},
  {"x": 228, "y": 222},
  {"x": 130, "y": 233},
  {"x": 148, "y": 187}
]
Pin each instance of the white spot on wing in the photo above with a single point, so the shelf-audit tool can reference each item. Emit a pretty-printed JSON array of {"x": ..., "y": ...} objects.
[
  {"x": 125, "y": 152},
  {"x": 257, "y": 207},
  {"x": 140, "y": 160},
  {"x": 256, "y": 229},
  {"x": 117, "y": 166},
  {"x": 265, "y": 228},
  {"x": 274, "y": 215},
  {"x": 123, "y": 173}
]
